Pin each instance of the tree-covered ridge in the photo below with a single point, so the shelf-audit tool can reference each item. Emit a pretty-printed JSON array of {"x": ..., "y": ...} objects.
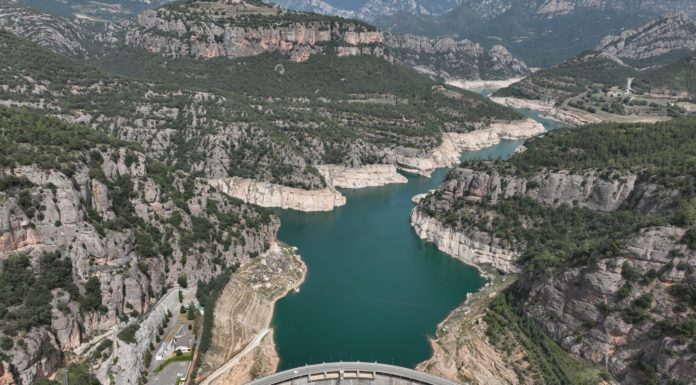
[
  {"x": 570, "y": 78},
  {"x": 27, "y": 138},
  {"x": 324, "y": 80},
  {"x": 357, "y": 109},
  {"x": 252, "y": 14},
  {"x": 667, "y": 148},
  {"x": 677, "y": 76},
  {"x": 585, "y": 270},
  {"x": 595, "y": 81}
]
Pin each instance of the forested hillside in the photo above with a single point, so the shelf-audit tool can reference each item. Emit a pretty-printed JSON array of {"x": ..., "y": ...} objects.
[
  {"x": 271, "y": 118},
  {"x": 601, "y": 218},
  {"x": 93, "y": 233}
]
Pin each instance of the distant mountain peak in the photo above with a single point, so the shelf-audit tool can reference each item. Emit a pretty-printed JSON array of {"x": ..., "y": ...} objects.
[{"x": 672, "y": 32}]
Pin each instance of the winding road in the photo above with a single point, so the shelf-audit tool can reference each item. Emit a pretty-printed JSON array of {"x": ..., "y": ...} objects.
[{"x": 235, "y": 360}]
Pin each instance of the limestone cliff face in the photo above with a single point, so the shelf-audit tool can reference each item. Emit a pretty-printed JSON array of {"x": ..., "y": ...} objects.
[
  {"x": 590, "y": 189},
  {"x": 76, "y": 217},
  {"x": 453, "y": 144},
  {"x": 475, "y": 248},
  {"x": 272, "y": 195},
  {"x": 455, "y": 59},
  {"x": 360, "y": 177},
  {"x": 552, "y": 188},
  {"x": 582, "y": 309},
  {"x": 212, "y": 29},
  {"x": 669, "y": 33}
]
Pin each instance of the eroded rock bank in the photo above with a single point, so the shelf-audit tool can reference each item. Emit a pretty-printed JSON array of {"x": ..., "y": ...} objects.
[
  {"x": 267, "y": 194},
  {"x": 454, "y": 144},
  {"x": 548, "y": 110},
  {"x": 475, "y": 248},
  {"x": 480, "y": 85},
  {"x": 360, "y": 177},
  {"x": 243, "y": 316},
  {"x": 461, "y": 351},
  {"x": 448, "y": 154}
]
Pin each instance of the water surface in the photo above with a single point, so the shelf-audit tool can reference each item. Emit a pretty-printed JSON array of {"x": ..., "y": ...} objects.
[{"x": 374, "y": 291}]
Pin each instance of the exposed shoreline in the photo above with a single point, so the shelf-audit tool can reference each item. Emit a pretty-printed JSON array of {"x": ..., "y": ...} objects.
[
  {"x": 448, "y": 154},
  {"x": 461, "y": 351},
  {"x": 454, "y": 144},
  {"x": 480, "y": 85},
  {"x": 242, "y": 324},
  {"x": 547, "y": 110}
]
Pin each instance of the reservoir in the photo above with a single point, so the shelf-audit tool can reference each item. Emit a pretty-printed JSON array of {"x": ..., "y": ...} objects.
[{"x": 374, "y": 291}]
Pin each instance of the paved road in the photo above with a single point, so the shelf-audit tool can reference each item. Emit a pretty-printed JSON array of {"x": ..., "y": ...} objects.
[
  {"x": 390, "y": 370},
  {"x": 235, "y": 360}
]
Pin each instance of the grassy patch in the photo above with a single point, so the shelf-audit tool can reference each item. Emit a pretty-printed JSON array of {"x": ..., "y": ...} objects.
[{"x": 182, "y": 358}]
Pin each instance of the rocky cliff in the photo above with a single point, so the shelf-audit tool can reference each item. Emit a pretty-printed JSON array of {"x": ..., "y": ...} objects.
[
  {"x": 661, "y": 36},
  {"x": 360, "y": 177},
  {"x": 215, "y": 29},
  {"x": 475, "y": 248},
  {"x": 272, "y": 195},
  {"x": 454, "y": 144},
  {"x": 450, "y": 58},
  {"x": 605, "y": 259},
  {"x": 624, "y": 311},
  {"x": 119, "y": 228}
]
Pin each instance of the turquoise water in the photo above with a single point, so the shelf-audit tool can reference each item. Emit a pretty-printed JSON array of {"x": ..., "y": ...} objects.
[{"x": 374, "y": 291}]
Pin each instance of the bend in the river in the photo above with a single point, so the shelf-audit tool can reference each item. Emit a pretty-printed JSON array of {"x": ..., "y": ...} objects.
[{"x": 374, "y": 291}]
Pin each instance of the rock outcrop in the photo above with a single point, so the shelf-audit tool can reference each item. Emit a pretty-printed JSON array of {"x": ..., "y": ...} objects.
[
  {"x": 661, "y": 36},
  {"x": 449, "y": 58},
  {"x": 360, "y": 177},
  {"x": 454, "y": 144},
  {"x": 214, "y": 29},
  {"x": 476, "y": 248},
  {"x": 590, "y": 190},
  {"x": 267, "y": 194},
  {"x": 583, "y": 310}
]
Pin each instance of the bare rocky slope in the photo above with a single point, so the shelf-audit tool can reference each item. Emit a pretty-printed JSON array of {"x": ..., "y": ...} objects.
[
  {"x": 605, "y": 258},
  {"x": 670, "y": 33},
  {"x": 244, "y": 311},
  {"x": 450, "y": 58},
  {"x": 92, "y": 233},
  {"x": 213, "y": 29}
]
